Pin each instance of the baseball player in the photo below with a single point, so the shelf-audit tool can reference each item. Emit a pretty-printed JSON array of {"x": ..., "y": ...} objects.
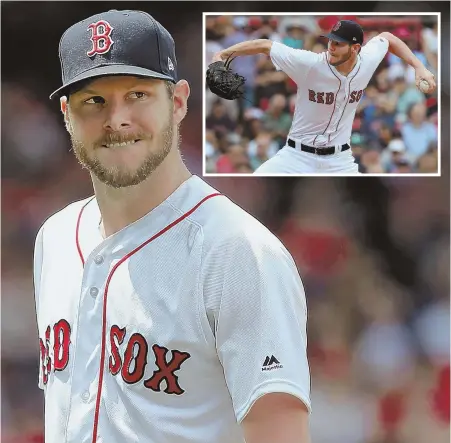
[
  {"x": 329, "y": 88},
  {"x": 166, "y": 313}
]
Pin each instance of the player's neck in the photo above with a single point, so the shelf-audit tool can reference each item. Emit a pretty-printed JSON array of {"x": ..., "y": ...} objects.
[{"x": 121, "y": 207}]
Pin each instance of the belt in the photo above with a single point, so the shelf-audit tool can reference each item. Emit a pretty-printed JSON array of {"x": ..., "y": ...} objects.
[{"x": 318, "y": 151}]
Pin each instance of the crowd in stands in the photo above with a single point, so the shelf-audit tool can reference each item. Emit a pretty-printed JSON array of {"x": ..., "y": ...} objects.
[{"x": 396, "y": 125}]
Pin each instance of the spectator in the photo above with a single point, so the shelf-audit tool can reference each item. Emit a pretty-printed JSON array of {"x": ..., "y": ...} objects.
[
  {"x": 407, "y": 95},
  {"x": 402, "y": 166},
  {"x": 385, "y": 135},
  {"x": 277, "y": 120},
  {"x": 244, "y": 66},
  {"x": 268, "y": 83},
  {"x": 232, "y": 160},
  {"x": 417, "y": 132},
  {"x": 393, "y": 154},
  {"x": 428, "y": 163},
  {"x": 211, "y": 151},
  {"x": 262, "y": 148},
  {"x": 429, "y": 43},
  {"x": 358, "y": 148},
  {"x": 219, "y": 120},
  {"x": 371, "y": 162},
  {"x": 252, "y": 124}
]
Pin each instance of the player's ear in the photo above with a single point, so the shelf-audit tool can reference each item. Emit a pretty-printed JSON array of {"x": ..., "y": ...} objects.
[
  {"x": 181, "y": 94},
  {"x": 65, "y": 110}
]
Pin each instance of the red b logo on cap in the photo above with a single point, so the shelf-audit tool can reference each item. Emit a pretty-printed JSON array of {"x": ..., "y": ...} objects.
[
  {"x": 101, "y": 40},
  {"x": 336, "y": 26}
]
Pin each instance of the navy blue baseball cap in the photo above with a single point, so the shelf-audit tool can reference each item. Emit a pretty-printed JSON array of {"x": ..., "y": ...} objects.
[
  {"x": 346, "y": 31},
  {"x": 115, "y": 43}
]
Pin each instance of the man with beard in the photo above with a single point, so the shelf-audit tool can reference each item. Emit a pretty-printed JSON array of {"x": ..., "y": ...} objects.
[
  {"x": 330, "y": 85},
  {"x": 165, "y": 312}
]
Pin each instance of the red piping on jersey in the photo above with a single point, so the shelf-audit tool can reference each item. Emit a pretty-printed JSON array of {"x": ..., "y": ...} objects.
[
  {"x": 105, "y": 295},
  {"x": 349, "y": 93},
  {"x": 77, "y": 230},
  {"x": 335, "y": 101}
]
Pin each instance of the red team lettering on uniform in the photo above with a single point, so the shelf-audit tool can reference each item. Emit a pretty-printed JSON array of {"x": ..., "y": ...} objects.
[
  {"x": 355, "y": 96},
  {"x": 100, "y": 37},
  {"x": 61, "y": 341},
  {"x": 327, "y": 98},
  {"x": 131, "y": 367}
]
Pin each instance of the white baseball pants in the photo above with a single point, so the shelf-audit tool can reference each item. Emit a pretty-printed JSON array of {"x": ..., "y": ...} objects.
[{"x": 292, "y": 161}]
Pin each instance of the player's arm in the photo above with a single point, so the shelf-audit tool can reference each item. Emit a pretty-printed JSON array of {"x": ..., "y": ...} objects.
[
  {"x": 251, "y": 47},
  {"x": 277, "y": 417},
  {"x": 397, "y": 47},
  {"x": 37, "y": 269},
  {"x": 260, "y": 335}
]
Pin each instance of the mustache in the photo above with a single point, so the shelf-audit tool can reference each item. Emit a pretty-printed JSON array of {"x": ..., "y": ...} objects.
[{"x": 116, "y": 137}]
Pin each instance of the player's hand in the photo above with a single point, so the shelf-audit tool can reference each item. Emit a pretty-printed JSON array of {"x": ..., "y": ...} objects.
[
  {"x": 423, "y": 74},
  {"x": 217, "y": 57}
]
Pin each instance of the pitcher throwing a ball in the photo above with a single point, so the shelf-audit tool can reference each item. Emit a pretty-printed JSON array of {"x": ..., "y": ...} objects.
[{"x": 330, "y": 86}]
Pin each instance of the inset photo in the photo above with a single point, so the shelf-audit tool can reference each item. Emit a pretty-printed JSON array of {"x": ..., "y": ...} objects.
[{"x": 307, "y": 94}]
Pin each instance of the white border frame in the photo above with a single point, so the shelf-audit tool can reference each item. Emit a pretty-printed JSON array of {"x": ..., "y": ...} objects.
[{"x": 385, "y": 174}]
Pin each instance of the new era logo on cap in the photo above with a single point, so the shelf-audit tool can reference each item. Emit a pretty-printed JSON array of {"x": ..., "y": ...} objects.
[{"x": 115, "y": 43}]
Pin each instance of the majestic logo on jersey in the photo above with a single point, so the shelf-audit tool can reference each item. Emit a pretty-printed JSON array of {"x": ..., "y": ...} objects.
[
  {"x": 327, "y": 98},
  {"x": 60, "y": 355},
  {"x": 336, "y": 26},
  {"x": 271, "y": 363},
  {"x": 100, "y": 37},
  {"x": 135, "y": 356}
]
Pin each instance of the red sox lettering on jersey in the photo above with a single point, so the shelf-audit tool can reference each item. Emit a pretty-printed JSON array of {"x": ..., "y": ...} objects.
[
  {"x": 132, "y": 345},
  {"x": 326, "y": 100},
  {"x": 100, "y": 37},
  {"x": 328, "y": 97},
  {"x": 129, "y": 366}
]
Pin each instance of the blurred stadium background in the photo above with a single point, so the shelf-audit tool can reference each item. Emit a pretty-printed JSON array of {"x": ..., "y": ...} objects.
[
  {"x": 395, "y": 129},
  {"x": 373, "y": 253}
]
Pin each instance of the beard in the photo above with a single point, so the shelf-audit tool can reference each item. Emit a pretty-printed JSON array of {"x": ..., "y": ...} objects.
[
  {"x": 343, "y": 59},
  {"x": 117, "y": 177}
]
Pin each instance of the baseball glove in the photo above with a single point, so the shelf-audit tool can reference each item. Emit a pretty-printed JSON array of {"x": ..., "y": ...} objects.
[{"x": 223, "y": 82}]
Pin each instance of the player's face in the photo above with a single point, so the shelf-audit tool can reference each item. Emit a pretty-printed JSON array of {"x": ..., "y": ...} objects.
[
  {"x": 338, "y": 52},
  {"x": 123, "y": 127}
]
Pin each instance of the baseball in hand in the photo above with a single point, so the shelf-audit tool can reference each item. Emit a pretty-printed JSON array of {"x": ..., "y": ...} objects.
[{"x": 424, "y": 86}]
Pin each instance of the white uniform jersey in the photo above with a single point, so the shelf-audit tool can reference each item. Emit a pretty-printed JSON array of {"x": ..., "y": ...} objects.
[
  {"x": 326, "y": 100},
  {"x": 170, "y": 329}
]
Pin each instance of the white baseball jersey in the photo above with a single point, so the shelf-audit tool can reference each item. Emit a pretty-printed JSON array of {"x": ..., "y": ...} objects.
[
  {"x": 326, "y": 100},
  {"x": 170, "y": 329}
]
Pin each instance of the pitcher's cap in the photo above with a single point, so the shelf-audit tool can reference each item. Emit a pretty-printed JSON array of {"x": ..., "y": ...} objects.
[
  {"x": 346, "y": 31},
  {"x": 116, "y": 43}
]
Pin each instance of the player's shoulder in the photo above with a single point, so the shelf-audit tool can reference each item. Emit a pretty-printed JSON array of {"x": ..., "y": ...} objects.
[
  {"x": 65, "y": 216},
  {"x": 302, "y": 54},
  {"x": 222, "y": 222},
  {"x": 379, "y": 41}
]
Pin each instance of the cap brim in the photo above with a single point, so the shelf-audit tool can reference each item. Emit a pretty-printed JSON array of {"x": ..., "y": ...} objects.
[
  {"x": 110, "y": 70},
  {"x": 335, "y": 38}
]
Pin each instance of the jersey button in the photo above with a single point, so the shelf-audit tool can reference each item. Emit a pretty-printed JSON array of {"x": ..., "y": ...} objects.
[
  {"x": 98, "y": 260},
  {"x": 94, "y": 291},
  {"x": 85, "y": 396}
]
